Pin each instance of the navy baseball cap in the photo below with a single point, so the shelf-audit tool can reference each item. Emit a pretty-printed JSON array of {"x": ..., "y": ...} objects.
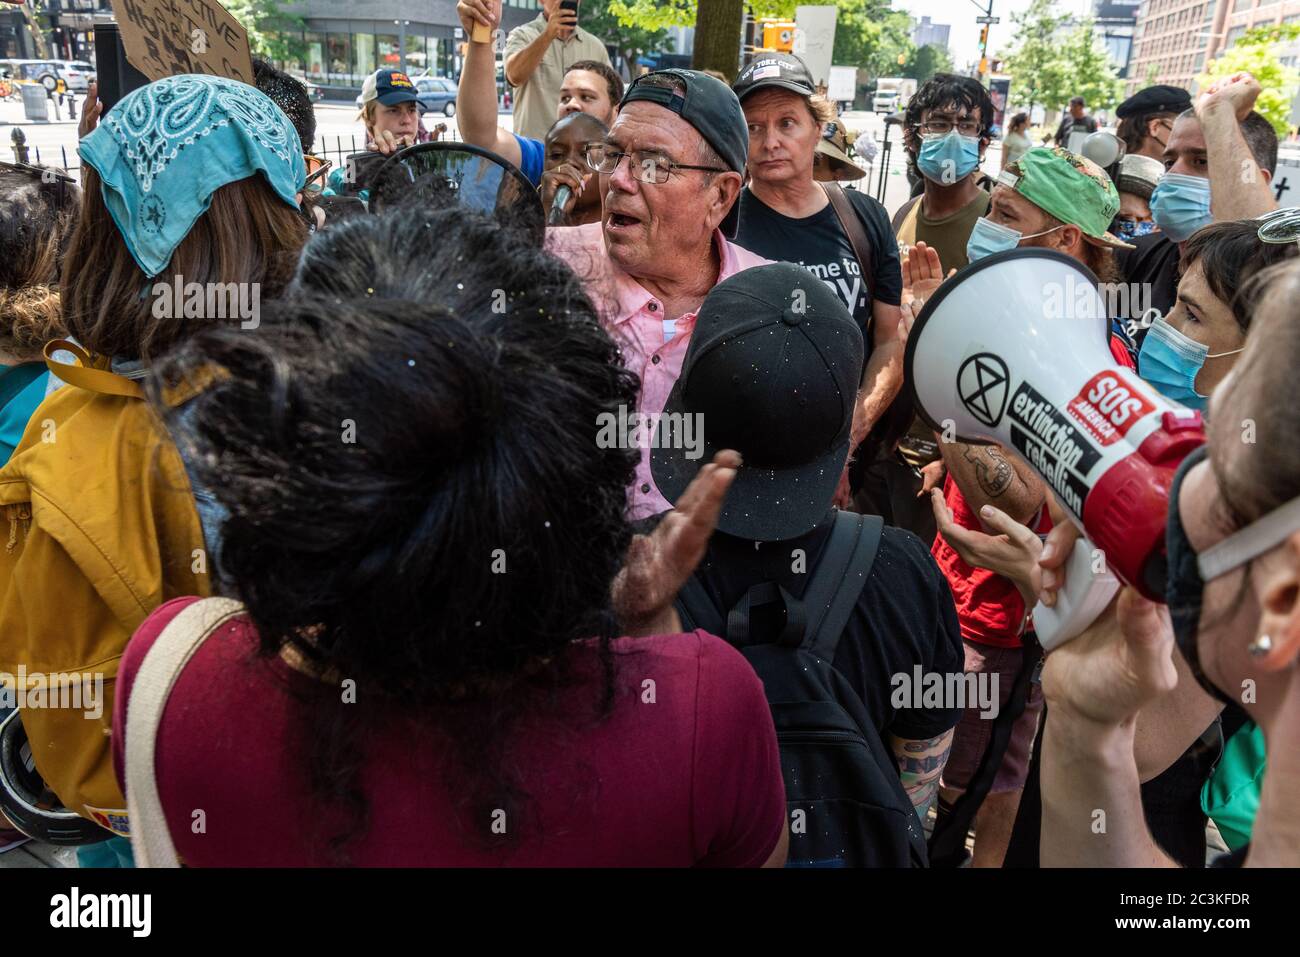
[
  {"x": 772, "y": 370},
  {"x": 711, "y": 108},
  {"x": 388, "y": 87}
]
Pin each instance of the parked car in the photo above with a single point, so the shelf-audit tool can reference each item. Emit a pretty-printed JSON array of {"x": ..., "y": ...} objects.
[
  {"x": 77, "y": 74},
  {"x": 44, "y": 72},
  {"x": 437, "y": 93}
]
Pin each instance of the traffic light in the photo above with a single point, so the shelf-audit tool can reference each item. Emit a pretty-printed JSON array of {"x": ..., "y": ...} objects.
[
  {"x": 902, "y": 59},
  {"x": 778, "y": 35},
  {"x": 984, "y": 38}
]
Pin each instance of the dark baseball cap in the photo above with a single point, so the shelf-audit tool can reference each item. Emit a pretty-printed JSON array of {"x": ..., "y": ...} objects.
[
  {"x": 1161, "y": 98},
  {"x": 772, "y": 370},
  {"x": 389, "y": 87},
  {"x": 780, "y": 70},
  {"x": 711, "y": 108}
]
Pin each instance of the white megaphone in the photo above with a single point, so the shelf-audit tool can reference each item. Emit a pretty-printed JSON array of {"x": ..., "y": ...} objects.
[
  {"x": 1104, "y": 148},
  {"x": 1014, "y": 350}
]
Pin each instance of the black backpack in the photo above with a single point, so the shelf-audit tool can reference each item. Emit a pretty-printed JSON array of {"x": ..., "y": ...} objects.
[{"x": 847, "y": 805}]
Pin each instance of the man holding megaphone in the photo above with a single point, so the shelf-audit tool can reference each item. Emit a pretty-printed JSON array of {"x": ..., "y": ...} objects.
[{"x": 1050, "y": 199}]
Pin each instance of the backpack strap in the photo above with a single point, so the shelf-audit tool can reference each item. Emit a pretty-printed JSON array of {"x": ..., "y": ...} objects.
[
  {"x": 761, "y": 595},
  {"x": 851, "y": 223},
  {"x": 948, "y": 842},
  {"x": 171, "y": 651},
  {"x": 838, "y": 579},
  {"x": 696, "y": 609},
  {"x": 85, "y": 375}
]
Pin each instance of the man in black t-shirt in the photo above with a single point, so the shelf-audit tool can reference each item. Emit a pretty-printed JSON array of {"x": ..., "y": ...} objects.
[
  {"x": 1075, "y": 127},
  {"x": 772, "y": 373},
  {"x": 819, "y": 245}
]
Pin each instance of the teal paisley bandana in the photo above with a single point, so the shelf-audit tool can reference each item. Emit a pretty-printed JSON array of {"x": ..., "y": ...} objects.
[{"x": 167, "y": 147}]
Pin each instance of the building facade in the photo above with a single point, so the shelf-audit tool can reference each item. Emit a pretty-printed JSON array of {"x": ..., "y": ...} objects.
[
  {"x": 67, "y": 27},
  {"x": 1176, "y": 38},
  {"x": 927, "y": 32},
  {"x": 1114, "y": 24},
  {"x": 347, "y": 40}
]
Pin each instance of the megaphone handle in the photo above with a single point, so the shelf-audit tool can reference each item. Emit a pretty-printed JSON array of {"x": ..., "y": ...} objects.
[{"x": 1079, "y": 602}]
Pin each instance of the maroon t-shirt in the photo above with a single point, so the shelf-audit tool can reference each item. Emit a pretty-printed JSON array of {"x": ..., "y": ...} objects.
[{"x": 684, "y": 770}]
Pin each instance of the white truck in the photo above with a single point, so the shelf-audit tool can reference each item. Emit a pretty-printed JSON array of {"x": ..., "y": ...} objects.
[{"x": 892, "y": 93}]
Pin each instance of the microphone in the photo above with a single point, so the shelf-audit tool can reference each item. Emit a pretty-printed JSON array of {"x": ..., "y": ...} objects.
[{"x": 562, "y": 195}]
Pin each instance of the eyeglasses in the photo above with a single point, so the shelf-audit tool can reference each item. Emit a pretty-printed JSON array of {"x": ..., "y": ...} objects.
[
  {"x": 647, "y": 166},
  {"x": 942, "y": 125}
]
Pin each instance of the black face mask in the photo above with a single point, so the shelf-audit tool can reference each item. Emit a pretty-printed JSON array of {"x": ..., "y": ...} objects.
[{"x": 1184, "y": 587}]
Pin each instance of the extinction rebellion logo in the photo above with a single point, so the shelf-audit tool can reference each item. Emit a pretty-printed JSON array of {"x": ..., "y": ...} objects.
[{"x": 982, "y": 387}]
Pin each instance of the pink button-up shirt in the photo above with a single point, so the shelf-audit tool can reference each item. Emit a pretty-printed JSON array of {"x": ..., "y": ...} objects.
[{"x": 635, "y": 320}]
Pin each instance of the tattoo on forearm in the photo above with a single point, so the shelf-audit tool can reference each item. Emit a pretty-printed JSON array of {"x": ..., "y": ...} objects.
[
  {"x": 993, "y": 472},
  {"x": 919, "y": 768}
]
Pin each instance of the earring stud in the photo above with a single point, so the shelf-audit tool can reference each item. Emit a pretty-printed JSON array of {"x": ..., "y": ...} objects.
[{"x": 1261, "y": 646}]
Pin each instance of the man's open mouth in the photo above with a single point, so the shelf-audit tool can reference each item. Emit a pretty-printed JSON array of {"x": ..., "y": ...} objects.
[{"x": 622, "y": 221}]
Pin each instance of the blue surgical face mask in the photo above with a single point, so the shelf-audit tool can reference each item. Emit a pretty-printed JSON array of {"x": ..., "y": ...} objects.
[
  {"x": 1170, "y": 361},
  {"x": 1128, "y": 229},
  {"x": 1180, "y": 205},
  {"x": 949, "y": 158},
  {"x": 989, "y": 237}
]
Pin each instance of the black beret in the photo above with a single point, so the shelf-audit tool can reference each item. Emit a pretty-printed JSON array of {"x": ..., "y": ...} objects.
[{"x": 1155, "y": 99}]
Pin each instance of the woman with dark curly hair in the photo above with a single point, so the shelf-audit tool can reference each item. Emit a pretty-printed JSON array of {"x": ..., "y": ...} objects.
[
  {"x": 37, "y": 210},
  {"x": 427, "y": 537}
]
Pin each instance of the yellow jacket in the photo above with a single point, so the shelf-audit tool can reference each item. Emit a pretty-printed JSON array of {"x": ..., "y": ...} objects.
[{"x": 99, "y": 529}]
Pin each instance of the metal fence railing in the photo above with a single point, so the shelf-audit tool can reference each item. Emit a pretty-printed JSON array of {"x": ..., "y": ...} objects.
[{"x": 336, "y": 149}]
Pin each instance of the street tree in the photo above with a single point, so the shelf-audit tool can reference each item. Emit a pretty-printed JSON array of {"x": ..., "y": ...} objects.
[
  {"x": 1038, "y": 71},
  {"x": 630, "y": 41},
  {"x": 1256, "y": 53},
  {"x": 926, "y": 62},
  {"x": 273, "y": 32},
  {"x": 1091, "y": 73}
]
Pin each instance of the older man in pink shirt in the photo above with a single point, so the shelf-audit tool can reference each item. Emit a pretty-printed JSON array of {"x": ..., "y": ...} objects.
[{"x": 671, "y": 170}]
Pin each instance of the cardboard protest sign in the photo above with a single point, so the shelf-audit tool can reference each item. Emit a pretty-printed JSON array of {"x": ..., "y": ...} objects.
[{"x": 169, "y": 37}]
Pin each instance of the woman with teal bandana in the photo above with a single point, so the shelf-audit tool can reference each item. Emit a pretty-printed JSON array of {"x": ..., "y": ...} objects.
[
  {"x": 191, "y": 190},
  {"x": 1188, "y": 352}
]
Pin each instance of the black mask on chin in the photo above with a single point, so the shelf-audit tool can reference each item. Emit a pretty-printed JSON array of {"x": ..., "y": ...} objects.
[{"x": 1184, "y": 587}]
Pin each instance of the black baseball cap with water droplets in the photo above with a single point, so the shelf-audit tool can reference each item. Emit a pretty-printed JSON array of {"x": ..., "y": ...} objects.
[{"x": 772, "y": 371}]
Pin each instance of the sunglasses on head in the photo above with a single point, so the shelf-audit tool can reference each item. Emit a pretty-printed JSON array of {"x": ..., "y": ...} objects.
[
  {"x": 316, "y": 169},
  {"x": 1280, "y": 226}
]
